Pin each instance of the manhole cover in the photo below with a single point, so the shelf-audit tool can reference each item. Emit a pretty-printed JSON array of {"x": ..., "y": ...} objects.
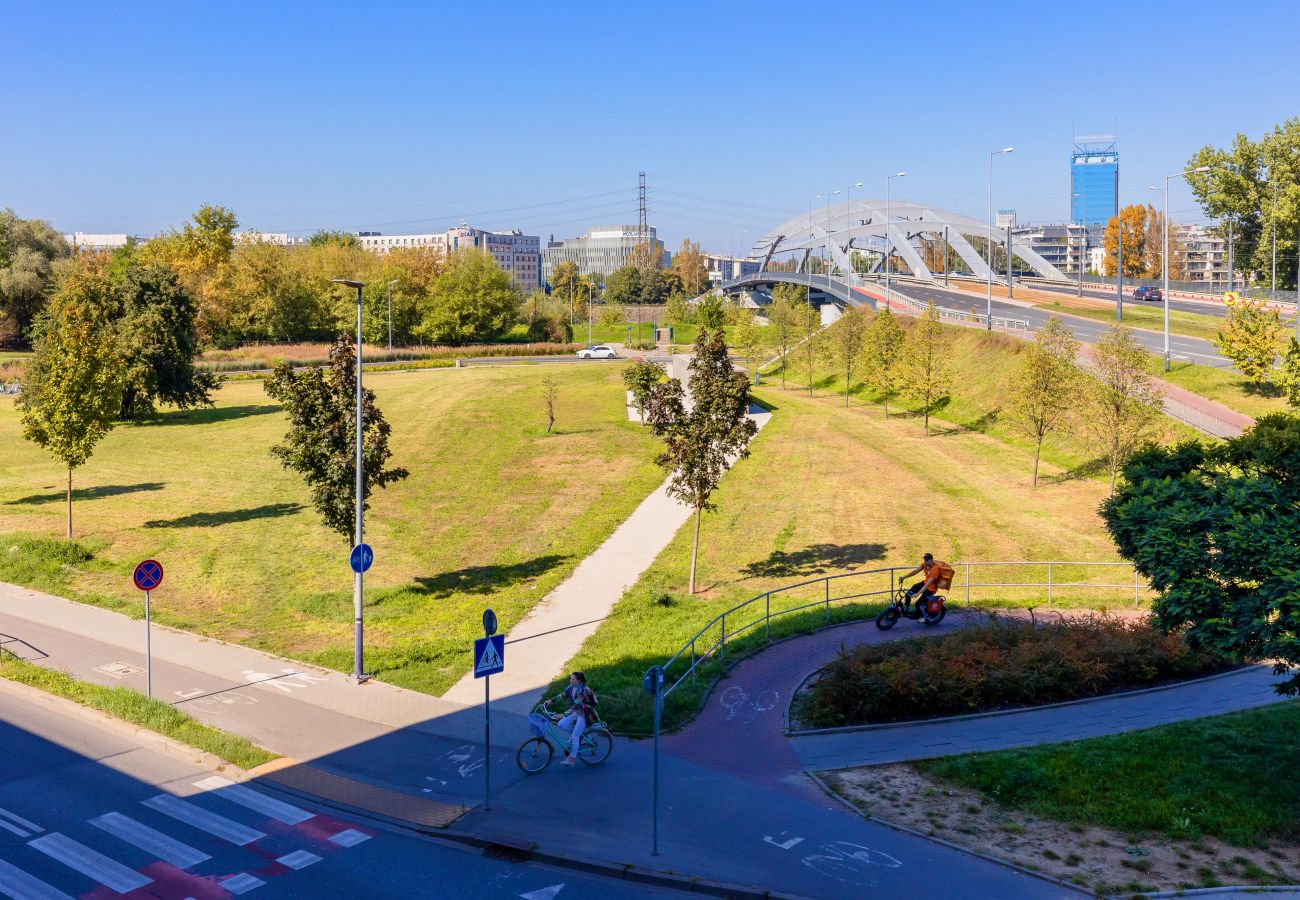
[{"x": 119, "y": 669}]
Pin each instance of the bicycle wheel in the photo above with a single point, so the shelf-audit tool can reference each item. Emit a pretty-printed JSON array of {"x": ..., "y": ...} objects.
[
  {"x": 534, "y": 755},
  {"x": 936, "y": 618},
  {"x": 887, "y": 618},
  {"x": 596, "y": 747}
]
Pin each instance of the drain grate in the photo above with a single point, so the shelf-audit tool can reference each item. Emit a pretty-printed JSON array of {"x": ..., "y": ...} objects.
[{"x": 509, "y": 849}]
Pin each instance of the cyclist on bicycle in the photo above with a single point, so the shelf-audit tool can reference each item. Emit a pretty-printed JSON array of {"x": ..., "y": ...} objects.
[
  {"x": 582, "y": 710},
  {"x": 934, "y": 572}
]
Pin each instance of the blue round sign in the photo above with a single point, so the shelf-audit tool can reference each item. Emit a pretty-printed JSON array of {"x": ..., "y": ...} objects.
[
  {"x": 148, "y": 575},
  {"x": 361, "y": 558}
]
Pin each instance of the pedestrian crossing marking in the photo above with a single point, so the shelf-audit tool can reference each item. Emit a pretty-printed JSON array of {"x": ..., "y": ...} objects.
[
  {"x": 298, "y": 859},
  {"x": 349, "y": 838},
  {"x": 241, "y": 883},
  {"x": 166, "y": 848},
  {"x": 91, "y": 863},
  {"x": 14, "y": 882},
  {"x": 15, "y": 829},
  {"x": 254, "y": 800},
  {"x": 14, "y": 817},
  {"x": 183, "y": 811}
]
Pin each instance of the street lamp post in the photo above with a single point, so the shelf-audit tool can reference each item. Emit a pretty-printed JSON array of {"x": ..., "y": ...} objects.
[
  {"x": 1119, "y": 267},
  {"x": 848, "y": 226},
  {"x": 828, "y": 229},
  {"x": 889, "y": 199},
  {"x": 1164, "y": 253},
  {"x": 989, "y": 298},
  {"x": 1273, "y": 216},
  {"x": 807, "y": 253},
  {"x": 390, "y": 314},
  {"x": 358, "y": 672}
]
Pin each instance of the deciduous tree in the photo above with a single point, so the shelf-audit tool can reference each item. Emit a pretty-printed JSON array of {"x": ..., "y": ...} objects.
[
  {"x": 690, "y": 268},
  {"x": 550, "y": 391},
  {"x": 882, "y": 350},
  {"x": 472, "y": 299},
  {"x": 1123, "y": 400},
  {"x": 700, "y": 444},
  {"x": 783, "y": 313},
  {"x": 810, "y": 347},
  {"x": 1250, "y": 336},
  {"x": 641, "y": 378},
  {"x": 710, "y": 312},
  {"x": 924, "y": 364},
  {"x": 847, "y": 339},
  {"x": 321, "y": 442},
  {"x": 1046, "y": 387},
  {"x": 28, "y": 250},
  {"x": 72, "y": 387}
]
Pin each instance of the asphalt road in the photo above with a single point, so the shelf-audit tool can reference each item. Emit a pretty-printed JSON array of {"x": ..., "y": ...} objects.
[
  {"x": 1191, "y": 306},
  {"x": 87, "y": 811},
  {"x": 1087, "y": 330}
]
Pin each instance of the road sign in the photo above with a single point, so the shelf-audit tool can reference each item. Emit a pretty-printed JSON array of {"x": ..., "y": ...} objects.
[
  {"x": 148, "y": 575},
  {"x": 653, "y": 682},
  {"x": 489, "y": 622},
  {"x": 1231, "y": 297},
  {"x": 361, "y": 558},
  {"x": 489, "y": 655}
]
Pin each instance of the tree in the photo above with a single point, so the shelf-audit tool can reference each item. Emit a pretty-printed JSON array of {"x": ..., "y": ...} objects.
[
  {"x": 72, "y": 387},
  {"x": 623, "y": 286},
  {"x": 1288, "y": 376},
  {"x": 472, "y": 299},
  {"x": 1123, "y": 400},
  {"x": 783, "y": 313},
  {"x": 612, "y": 314},
  {"x": 28, "y": 250},
  {"x": 710, "y": 312},
  {"x": 550, "y": 391},
  {"x": 323, "y": 237},
  {"x": 155, "y": 327},
  {"x": 321, "y": 442},
  {"x": 699, "y": 444},
  {"x": 749, "y": 337},
  {"x": 657, "y": 286},
  {"x": 924, "y": 363},
  {"x": 1212, "y": 528},
  {"x": 846, "y": 340},
  {"x": 646, "y": 256},
  {"x": 810, "y": 340},
  {"x": 678, "y": 311},
  {"x": 1136, "y": 254},
  {"x": 1250, "y": 337},
  {"x": 564, "y": 284},
  {"x": 200, "y": 255},
  {"x": 1046, "y": 385},
  {"x": 690, "y": 268},
  {"x": 641, "y": 378},
  {"x": 882, "y": 351}
]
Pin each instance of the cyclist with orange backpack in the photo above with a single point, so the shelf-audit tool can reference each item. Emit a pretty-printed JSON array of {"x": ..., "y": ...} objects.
[{"x": 938, "y": 577}]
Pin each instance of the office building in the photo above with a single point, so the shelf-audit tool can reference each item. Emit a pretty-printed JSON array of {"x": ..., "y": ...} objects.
[
  {"x": 1094, "y": 180},
  {"x": 94, "y": 242},
  {"x": 377, "y": 242},
  {"x": 602, "y": 250},
  {"x": 724, "y": 268},
  {"x": 515, "y": 252},
  {"x": 1006, "y": 218},
  {"x": 279, "y": 238}
]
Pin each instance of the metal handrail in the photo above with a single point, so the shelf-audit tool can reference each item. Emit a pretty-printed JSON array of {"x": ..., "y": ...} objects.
[{"x": 700, "y": 652}]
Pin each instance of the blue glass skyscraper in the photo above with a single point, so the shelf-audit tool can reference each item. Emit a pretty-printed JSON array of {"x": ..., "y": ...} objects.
[{"x": 1094, "y": 180}]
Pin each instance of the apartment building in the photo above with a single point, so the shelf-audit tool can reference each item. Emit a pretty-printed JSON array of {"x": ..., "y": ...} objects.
[
  {"x": 515, "y": 252},
  {"x": 1202, "y": 256}
]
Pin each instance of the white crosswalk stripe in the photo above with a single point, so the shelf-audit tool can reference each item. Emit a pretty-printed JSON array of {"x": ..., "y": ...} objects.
[
  {"x": 349, "y": 838},
  {"x": 16, "y": 883},
  {"x": 14, "y": 828},
  {"x": 200, "y": 818},
  {"x": 241, "y": 883},
  {"x": 254, "y": 800},
  {"x": 14, "y": 817},
  {"x": 91, "y": 863},
  {"x": 166, "y": 848},
  {"x": 298, "y": 859}
]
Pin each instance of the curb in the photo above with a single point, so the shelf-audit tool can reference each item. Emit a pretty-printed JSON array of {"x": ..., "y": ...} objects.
[
  {"x": 1042, "y": 876},
  {"x": 1230, "y": 889},
  {"x": 883, "y": 726}
]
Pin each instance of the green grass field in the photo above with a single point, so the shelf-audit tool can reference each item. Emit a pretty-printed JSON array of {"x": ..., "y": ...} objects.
[
  {"x": 1198, "y": 325},
  {"x": 1229, "y": 777},
  {"x": 1224, "y": 385},
  {"x": 495, "y": 512}
]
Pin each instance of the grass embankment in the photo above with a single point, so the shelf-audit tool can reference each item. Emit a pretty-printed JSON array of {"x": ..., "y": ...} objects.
[
  {"x": 830, "y": 490},
  {"x": 134, "y": 707},
  {"x": 495, "y": 513},
  {"x": 1223, "y": 385}
]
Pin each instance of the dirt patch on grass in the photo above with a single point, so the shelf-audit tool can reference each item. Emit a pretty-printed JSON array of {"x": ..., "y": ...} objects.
[{"x": 1100, "y": 859}]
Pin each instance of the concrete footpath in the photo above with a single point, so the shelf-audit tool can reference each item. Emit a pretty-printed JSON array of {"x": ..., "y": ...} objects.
[{"x": 421, "y": 761}]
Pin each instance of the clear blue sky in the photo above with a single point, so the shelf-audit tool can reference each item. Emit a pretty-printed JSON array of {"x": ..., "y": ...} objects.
[{"x": 404, "y": 117}]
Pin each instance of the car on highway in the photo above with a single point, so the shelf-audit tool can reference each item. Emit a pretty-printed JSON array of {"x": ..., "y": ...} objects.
[
  {"x": 600, "y": 351},
  {"x": 1148, "y": 293}
]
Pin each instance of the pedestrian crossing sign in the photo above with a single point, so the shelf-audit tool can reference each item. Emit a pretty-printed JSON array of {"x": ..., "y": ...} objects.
[{"x": 489, "y": 655}]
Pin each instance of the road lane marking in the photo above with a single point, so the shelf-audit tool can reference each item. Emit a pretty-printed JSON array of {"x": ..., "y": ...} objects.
[
  {"x": 14, "y": 817},
  {"x": 15, "y": 829},
  {"x": 183, "y": 811},
  {"x": 16, "y": 883},
  {"x": 91, "y": 863},
  {"x": 241, "y": 883},
  {"x": 298, "y": 859},
  {"x": 349, "y": 838},
  {"x": 166, "y": 848},
  {"x": 251, "y": 799}
]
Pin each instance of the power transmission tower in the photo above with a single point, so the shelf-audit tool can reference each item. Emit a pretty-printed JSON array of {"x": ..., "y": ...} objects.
[{"x": 642, "y": 229}]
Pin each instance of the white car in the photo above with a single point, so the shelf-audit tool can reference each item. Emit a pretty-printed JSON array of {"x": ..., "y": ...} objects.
[{"x": 600, "y": 351}]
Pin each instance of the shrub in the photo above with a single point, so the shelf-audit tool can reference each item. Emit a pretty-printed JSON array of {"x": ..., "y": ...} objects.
[{"x": 1001, "y": 664}]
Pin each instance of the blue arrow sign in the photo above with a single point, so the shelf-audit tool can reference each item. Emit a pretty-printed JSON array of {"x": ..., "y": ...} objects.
[
  {"x": 361, "y": 558},
  {"x": 489, "y": 655}
]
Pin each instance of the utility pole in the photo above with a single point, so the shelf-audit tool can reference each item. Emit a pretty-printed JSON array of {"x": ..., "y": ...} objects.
[
  {"x": 642, "y": 225},
  {"x": 1119, "y": 269},
  {"x": 1010, "y": 286},
  {"x": 1231, "y": 263}
]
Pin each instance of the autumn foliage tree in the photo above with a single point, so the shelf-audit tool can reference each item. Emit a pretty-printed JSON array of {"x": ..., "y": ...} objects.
[
  {"x": 1251, "y": 337},
  {"x": 882, "y": 349},
  {"x": 1123, "y": 400},
  {"x": 1046, "y": 386},
  {"x": 845, "y": 341},
  {"x": 924, "y": 363}
]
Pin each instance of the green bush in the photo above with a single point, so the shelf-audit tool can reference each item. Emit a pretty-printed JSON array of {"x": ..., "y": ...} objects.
[{"x": 1003, "y": 663}]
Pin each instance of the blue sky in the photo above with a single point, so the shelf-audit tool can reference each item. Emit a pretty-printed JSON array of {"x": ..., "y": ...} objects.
[{"x": 403, "y": 117}]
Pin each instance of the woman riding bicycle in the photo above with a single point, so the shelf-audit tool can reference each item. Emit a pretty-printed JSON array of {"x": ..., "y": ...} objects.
[{"x": 582, "y": 710}]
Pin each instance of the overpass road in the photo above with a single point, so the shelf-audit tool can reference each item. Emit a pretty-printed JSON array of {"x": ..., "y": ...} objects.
[{"x": 1191, "y": 306}]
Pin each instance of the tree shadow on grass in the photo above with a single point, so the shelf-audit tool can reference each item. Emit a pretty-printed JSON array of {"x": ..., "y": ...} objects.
[
  {"x": 1090, "y": 469},
  {"x": 486, "y": 579},
  {"x": 96, "y": 492},
  {"x": 210, "y": 414},
  {"x": 226, "y": 517},
  {"x": 935, "y": 408},
  {"x": 980, "y": 425},
  {"x": 816, "y": 559}
]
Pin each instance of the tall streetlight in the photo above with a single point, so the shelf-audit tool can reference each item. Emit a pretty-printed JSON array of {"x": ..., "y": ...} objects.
[
  {"x": 807, "y": 253},
  {"x": 848, "y": 225},
  {"x": 989, "y": 304},
  {"x": 1082, "y": 239},
  {"x": 1164, "y": 253},
  {"x": 1273, "y": 216},
  {"x": 828, "y": 226},
  {"x": 390, "y": 313},
  {"x": 359, "y": 502},
  {"x": 888, "y": 214}
]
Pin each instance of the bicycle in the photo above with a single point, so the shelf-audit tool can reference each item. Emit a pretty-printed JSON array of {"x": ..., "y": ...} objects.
[
  {"x": 930, "y": 612},
  {"x": 536, "y": 753}
]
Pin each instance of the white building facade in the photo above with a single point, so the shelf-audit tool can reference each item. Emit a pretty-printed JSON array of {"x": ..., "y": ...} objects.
[
  {"x": 602, "y": 250},
  {"x": 515, "y": 252},
  {"x": 80, "y": 240}
]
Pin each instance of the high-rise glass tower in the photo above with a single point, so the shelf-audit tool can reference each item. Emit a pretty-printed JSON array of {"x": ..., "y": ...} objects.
[{"x": 1094, "y": 180}]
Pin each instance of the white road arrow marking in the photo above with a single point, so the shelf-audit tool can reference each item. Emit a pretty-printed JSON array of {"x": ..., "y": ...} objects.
[
  {"x": 784, "y": 845},
  {"x": 546, "y": 893}
]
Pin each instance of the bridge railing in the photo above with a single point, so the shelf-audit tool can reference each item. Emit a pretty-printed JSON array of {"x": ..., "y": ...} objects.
[{"x": 1011, "y": 581}]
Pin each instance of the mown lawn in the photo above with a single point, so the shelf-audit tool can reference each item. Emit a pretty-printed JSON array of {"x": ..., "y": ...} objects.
[
  {"x": 1229, "y": 777},
  {"x": 1224, "y": 385},
  {"x": 495, "y": 512},
  {"x": 1198, "y": 325}
]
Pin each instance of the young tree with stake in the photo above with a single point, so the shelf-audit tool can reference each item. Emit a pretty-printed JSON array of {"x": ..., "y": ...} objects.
[
  {"x": 924, "y": 366},
  {"x": 847, "y": 340},
  {"x": 882, "y": 348},
  {"x": 1045, "y": 385},
  {"x": 701, "y": 443},
  {"x": 1124, "y": 400}
]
